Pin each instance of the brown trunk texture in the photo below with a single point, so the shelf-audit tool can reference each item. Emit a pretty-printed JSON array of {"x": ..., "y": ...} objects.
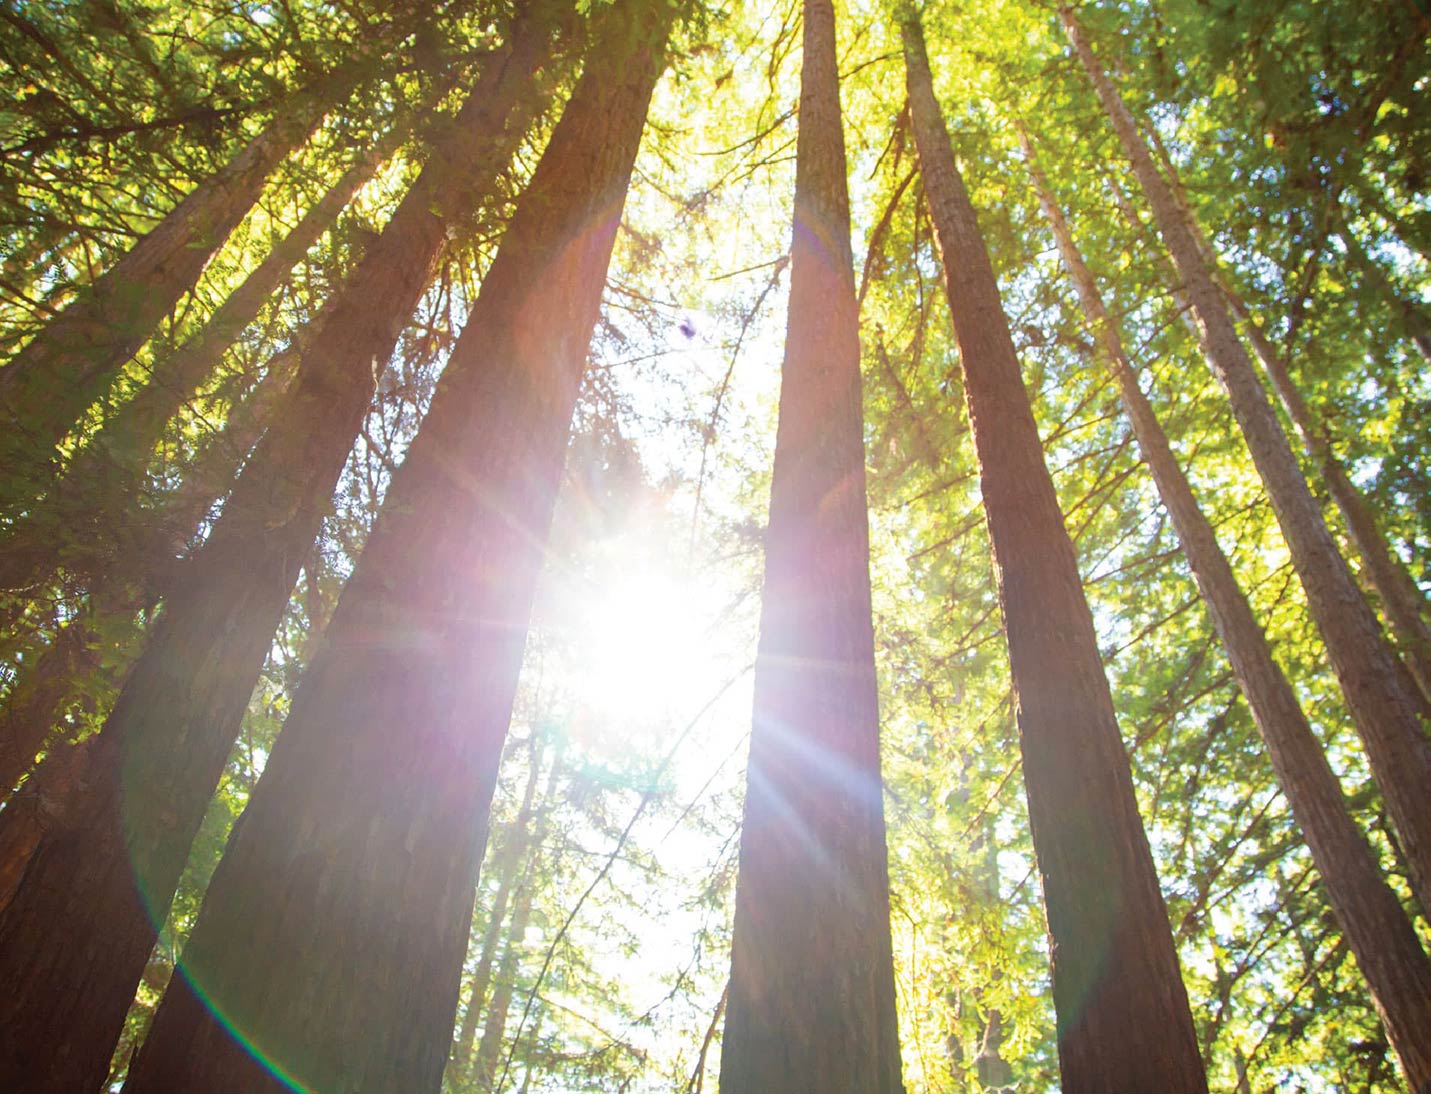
[
  {"x": 330, "y": 944},
  {"x": 37, "y": 808},
  {"x": 1377, "y": 689},
  {"x": 73, "y": 361},
  {"x": 811, "y": 1004},
  {"x": 104, "y": 482},
  {"x": 1376, "y": 926},
  {"x": 1123, "y": 1017},
  {"x": 75, "y": 937}
]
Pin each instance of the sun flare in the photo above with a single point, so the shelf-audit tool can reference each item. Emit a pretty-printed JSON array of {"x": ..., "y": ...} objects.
[{"x": 641, "y": 650}]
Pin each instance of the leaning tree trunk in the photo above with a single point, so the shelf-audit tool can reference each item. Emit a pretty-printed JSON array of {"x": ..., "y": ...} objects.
[
  {"x": 46, "y": 682},
  {"x": 811, "y": 1003},
  {"x": 104, "y": 481},
  {"x": 1377, "y": 690},
  {"x": 37, "y": 809},
  {"x": 1124, "y": 1022},
  {"x": 1401, "y": 598},
  {"x": 119, "y": 586},
  {"x": 75, "y": 937},
  {"x": 332, "y": 936},
  {"x": 50, "y": 383},
  {"x": 1371, "y": 917},
  {"x": 59, "y": 782}
]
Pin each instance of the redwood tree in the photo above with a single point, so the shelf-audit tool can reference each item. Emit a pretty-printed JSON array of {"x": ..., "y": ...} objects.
[
  {"x": 1379, "y": 693},
  {"x": 75, "y": 936},
  {"x": 811, "y": 999},
  {"x": 332, "y": 937},
  {"x": 1377, "y": 928},
  {"x": 1124, "y": 1022},
  {"x": 76, "y": 357},
  {"x": 120, "y": 585},
  {"x": 103, "y": 483}
]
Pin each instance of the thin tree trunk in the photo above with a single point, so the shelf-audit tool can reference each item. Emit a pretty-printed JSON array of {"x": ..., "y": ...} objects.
[
  {"x": 1375, "y": 924},
  {"x": 1400, "y": 596},
  {"x": 1402, "y": 599},
  {"x": 120, "y": 588},
  {"x": 49, "y": 384},
  {"x": 1382, "y": 705},
  {"x": 508, "y": 866},
  {"x": 44, "y": 686},
  {"x": 104, "y": 480},
  {"x": 74, "y": 939},
  {"x": 811, "y": 1003},
  {"x": 1124, "y": 1022},
  {"x": 494, "y": 1026},
  {"x": 335, "y": 927}
]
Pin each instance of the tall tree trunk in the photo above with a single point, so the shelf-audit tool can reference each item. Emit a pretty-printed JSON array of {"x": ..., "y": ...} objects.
[
  {"x": 104, "y": 480},
  {"x": 333, "y": 933},
  {"x": 36, "y": 809},
  {"x": 494, "y": 1025},
  {"x": 1382, "y": 705},
  {"x": 1375, "y": 924},
  {"x": 74, "y": 939},
  {"x": 508, "y": 866},
  {"x": 119, "y": 588},
  {"x": 45, "y": 683},
  {"x": 49, "y": 384},
  {"x": 811, "y": 1003},
  {"x": 1402, "y": 599},
  {"x": 1123, "y": 1016}
]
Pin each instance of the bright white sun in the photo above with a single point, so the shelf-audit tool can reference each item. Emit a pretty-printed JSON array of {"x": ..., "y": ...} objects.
[
  {"x": 649, "y": 654},
  {"x": 642, "y": 656}
]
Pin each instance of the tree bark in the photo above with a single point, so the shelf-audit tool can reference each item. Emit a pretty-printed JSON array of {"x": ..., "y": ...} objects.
[
  {"x": 37, "y": 808},
  {"x": 811, "y": 1005},
  {"x": 1376, "y": 926},
  {"x": 104, "y": 481},
  {"x": 1124, "y": 1022},
  {"x": 74, "y": 939},
  {"x": 1382, "y": 704},
  {"x": 1401, "y": 598},
  {"x": 49, "y": 384},
  {"x": 332, "y": 936}
]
